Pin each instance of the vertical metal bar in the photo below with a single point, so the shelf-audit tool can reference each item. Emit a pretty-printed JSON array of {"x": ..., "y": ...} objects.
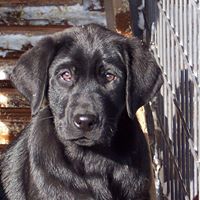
[
  {"x": 161, "y": 40},
  {"x": 181, "y": 20},
  {"x": 173, "y": 82},
  {"x": 177, "y": 78},
  {"x": 198, "y": 122},
  {"x": 198, "y": 100},
  {"x": 173, "y": 58},
  {"x": 192, "y": 108},
  {"x": 195, "y": 135},
  {"x": 168, "y": 9},
  {"x": 168, "y": 161},
  {"x": 190, "y": 32},
  {"x": 198, "y": 147},
  {"x": 183, "y": 111},
  {"x": 187, "y": 166},
  {"x": 194, "y": 39},
  {"x": 172, "y": 18},
  {"x": 198, "y": 39},
  {"x": 176, "y": 17},
  {"x": 158, "y": 35},
  {"x": 169, "y": 75},
  {"x": 164, "y": 46},
  {"x": 185, "y": 39},
  {"x": 198, "y": 74},
  {"x": 175, "y": 150},
  {"x": 194, "y": 181},
  {"x": 194, "y": 58},
  {"x": 166, "y": 98},
  {"x": 182, "y": 135}
]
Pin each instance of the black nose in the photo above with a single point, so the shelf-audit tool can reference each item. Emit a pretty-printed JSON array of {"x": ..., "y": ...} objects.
[{"x": 85, "y": 122}]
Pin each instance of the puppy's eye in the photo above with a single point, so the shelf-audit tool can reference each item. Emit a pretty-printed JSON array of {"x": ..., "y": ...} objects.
[
  {"x": 66, "y": 76},
  {"x": 110, "y": 77}
]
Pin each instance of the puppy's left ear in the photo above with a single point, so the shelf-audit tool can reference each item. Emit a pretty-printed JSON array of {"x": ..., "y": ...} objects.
[
  {"x": 144, "y": 77},
  {"x": 31, "y": 71}
]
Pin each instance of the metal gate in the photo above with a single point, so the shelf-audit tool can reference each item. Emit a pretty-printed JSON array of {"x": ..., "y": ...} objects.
[{"x": 172, "y": 28}]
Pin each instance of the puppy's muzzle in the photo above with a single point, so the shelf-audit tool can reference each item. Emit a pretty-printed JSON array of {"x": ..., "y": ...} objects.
[{"x": 85, "y": 122}]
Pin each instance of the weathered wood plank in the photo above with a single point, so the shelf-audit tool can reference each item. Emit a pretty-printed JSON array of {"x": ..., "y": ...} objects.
[
  {"x": 5, "y": 139},
  {"x": 32, "y": 30},
  {"x": 6, "y": 66},
  {"x": 111, "y": 7},
  {"x": 14, "y": 44},
  {"x": 8, "y": 91},
  {"x": 10, "y": 54},
  {"x": 15, "y": 40},
  {"x": 41, "y": 2},
  {"x": 118, "y": 16},
  {"x": 50, "y": 15},
  {"x": 91, "y": 5},
  {"x": 9, "y": 130},
  {"x": 2, "y": 147},
  {"x": 14, "y": 111},
  {"x": 10, "y": 98},
  {"x": 14, "y": 127},
  {"x": 15, "y": 114},
  {"x": 5, "y": 84}
]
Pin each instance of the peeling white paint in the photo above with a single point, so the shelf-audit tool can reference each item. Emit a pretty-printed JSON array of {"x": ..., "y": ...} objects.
[
  {"x": 3, "y": 75},
  {"x": 95, "y": 3},
  {"x": 5, "y": 71},
  {"x": 3, "y": 53},
  {"x": 42, "y": 15},
  {"x": 17, "y": 41},
  {"x": 74, "y": 15}
]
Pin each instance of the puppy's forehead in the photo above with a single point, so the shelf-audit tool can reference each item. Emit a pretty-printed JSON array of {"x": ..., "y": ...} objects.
[
  {"x": 89, "y": 44},
  {"x": 93, "y": 37}
]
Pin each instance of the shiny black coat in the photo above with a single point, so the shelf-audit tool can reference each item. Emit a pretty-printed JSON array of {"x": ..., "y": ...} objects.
[{"x": 85, "y": 143}]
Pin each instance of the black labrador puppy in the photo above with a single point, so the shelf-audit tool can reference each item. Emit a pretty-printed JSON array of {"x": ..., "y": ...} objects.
[{"x": 85, "y": 142}]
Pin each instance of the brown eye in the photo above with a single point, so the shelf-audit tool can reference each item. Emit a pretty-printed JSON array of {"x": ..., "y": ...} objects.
[
  {"x": 110, "y": 77},
  {"x": 66, "y": 76}
]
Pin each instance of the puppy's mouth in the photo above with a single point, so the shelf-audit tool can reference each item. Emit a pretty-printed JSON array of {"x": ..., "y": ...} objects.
[{"x": 83, "y": 141}]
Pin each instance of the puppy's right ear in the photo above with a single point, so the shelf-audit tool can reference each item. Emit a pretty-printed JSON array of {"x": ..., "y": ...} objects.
[
  {"x": 31, "y": 71},
  {"x": 144, "y": 77}
]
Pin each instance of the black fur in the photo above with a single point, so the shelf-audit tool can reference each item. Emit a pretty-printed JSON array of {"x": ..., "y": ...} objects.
[{"x": 87, "y": 71}]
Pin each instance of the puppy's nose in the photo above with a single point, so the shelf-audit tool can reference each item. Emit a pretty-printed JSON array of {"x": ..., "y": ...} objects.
[{"x": 85, "y": 122}]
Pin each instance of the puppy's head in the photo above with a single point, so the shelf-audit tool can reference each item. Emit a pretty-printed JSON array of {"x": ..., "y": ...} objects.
[{"x": 89, "y": 76}]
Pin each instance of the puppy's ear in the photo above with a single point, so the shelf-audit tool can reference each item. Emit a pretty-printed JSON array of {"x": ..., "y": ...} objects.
[
  {"x": 31, "y": 71},
  {"x": 144, "y": 77}
]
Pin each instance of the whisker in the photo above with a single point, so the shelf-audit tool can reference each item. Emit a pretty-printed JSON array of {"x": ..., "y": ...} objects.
[{"x": 45, "y": 118}]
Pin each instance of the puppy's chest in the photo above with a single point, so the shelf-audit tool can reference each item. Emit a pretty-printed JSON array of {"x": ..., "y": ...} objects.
[{"x": 108, "y": 180}]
